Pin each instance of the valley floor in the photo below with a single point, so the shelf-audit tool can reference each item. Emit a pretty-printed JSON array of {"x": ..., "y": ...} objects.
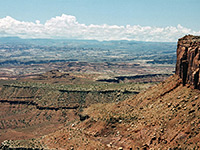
[{"x": 164, "y": 116}]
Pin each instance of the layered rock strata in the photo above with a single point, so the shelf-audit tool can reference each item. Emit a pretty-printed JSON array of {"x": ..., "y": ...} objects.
[{"x": 188, "y": 60}]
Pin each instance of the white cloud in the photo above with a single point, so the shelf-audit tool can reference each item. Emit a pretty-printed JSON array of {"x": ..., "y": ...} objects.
[{"x": 66, "y": 26}]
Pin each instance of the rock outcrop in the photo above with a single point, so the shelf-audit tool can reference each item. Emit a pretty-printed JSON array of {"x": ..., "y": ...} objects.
[{"x": 188, "y": 60}]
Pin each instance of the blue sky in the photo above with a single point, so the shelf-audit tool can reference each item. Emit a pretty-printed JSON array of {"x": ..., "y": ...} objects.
[{"x": 153, "y": 13}]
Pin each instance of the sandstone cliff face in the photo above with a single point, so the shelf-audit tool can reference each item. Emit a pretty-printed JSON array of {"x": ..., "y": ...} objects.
[{"x": 188, "y": 60}]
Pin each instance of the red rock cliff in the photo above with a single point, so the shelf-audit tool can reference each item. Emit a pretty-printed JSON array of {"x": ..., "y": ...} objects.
[{"x": 188, "y": 60}]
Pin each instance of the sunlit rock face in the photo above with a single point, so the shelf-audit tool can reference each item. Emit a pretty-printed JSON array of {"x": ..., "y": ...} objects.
[{"x": 188, "y": 60}]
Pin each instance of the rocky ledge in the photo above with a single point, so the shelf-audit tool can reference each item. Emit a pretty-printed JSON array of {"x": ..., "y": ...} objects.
[{"x": 188, "y": 60}]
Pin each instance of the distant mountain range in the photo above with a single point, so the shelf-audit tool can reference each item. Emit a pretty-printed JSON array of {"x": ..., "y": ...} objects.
[{"x": 18, "y": 39}]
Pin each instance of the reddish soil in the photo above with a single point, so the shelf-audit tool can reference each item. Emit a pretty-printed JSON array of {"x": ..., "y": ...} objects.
[
  {"x": 165, "y": 116},
  {"x": 26, "y": 121}
]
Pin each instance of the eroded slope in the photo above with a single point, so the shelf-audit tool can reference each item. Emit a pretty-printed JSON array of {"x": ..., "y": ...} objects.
[
  {"x": 164, "y": 116},
  {"x": 32, "y": 107}
]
